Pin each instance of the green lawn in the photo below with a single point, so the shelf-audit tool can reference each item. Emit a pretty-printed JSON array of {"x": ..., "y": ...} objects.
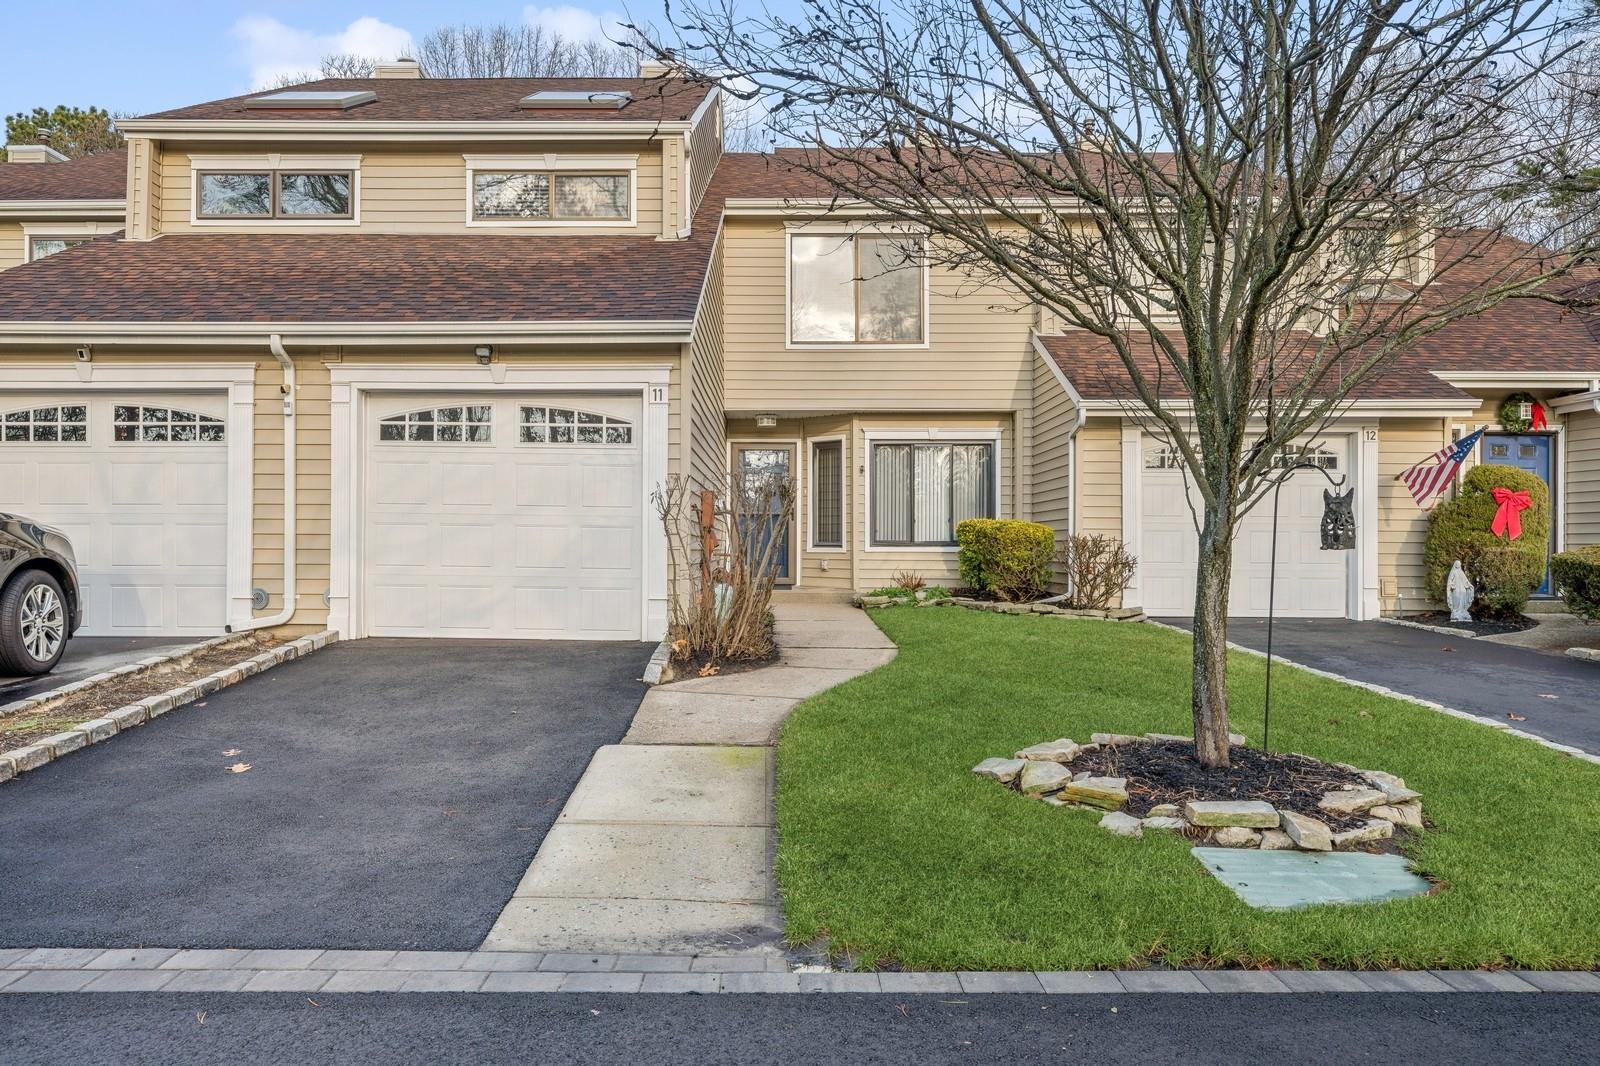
[{"x": 892, "y": 849}]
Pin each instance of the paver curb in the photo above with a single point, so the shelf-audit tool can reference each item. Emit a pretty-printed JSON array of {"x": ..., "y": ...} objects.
[
  {"x": 1565, "y": 749},
  {"x": 25, "y": 970},
  {"x": 48, "y": 749},
  {"x": 657, "y": 666},
  {"x": 1589, "y": 654},
  {"x": 1448, "y": 631}
]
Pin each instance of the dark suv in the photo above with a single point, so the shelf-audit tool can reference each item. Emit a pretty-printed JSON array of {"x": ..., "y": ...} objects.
[{"x": 40, "y": 607}]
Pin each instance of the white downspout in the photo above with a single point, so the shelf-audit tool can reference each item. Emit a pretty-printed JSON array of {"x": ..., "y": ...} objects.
[{"x": 290, "y": 594}]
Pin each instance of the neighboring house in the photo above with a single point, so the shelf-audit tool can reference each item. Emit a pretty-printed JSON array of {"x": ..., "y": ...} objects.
[
  {"x": 418, "y": 352},
  {"x": 49, "y": 203}
]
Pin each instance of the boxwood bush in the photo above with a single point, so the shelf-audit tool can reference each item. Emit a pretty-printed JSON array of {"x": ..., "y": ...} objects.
[
  {"x": 1505, "y": 573},
  {"x": 1578, "y": 574},
  {"x": 1006, "y": 557}
]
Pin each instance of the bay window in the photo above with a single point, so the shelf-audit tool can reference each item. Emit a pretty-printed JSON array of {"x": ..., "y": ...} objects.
[
  {"x": 855, "y": 289},
  {"x": 921, "y": 492}
]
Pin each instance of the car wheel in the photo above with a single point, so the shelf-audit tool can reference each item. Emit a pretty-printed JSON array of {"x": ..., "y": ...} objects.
[{"x": 33, "y": 624}]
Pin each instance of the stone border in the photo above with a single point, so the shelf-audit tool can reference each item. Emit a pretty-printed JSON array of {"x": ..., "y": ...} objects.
[
  {"x": 24, "y": 970},
  {"x": 47, "y": 749},
  {"x": 1588, "y": 654},
  {"x": 1565, "y": 749},
  {"x": 54, "y": 695},
  {"x": 658, "y": 671},
  {"x": 1045, "y": 606},
  {"x": 1449, "y": 631}
]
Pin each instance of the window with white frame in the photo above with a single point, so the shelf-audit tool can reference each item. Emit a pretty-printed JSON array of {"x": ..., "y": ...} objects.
[
  {"x": 550, "y": 196},
  {"x": 456, "y": 424},
  {"x": 827, "y": 494},
  {"x": 565, "y": 425},
  {"x": 137, "y": 423},
  {"x": 921, "y": 492},
  {"x": 274, "y": 194},
  {"x": 865, "y": 288},
  {"x": 64, "y": 424},
  {"x": 42, "y": 247}
]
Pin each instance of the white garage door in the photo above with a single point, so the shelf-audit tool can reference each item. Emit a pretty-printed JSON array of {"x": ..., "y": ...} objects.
[
  {"x": 496, "y": 517},
  {"x": 1312, "y": 583},
  {"x": 139, "y": 483}
]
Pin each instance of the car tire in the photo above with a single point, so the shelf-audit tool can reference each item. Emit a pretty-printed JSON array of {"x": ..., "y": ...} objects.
[{"x": 33, "y": 624}]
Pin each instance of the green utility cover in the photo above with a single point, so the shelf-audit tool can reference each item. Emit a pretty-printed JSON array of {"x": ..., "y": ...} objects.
[{"x": 1283, "y": 880}]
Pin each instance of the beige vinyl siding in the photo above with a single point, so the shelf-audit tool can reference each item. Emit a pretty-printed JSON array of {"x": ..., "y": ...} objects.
[
  {"x": 13, "y": 247},
  {"x": 1053, "y": 417},
  {"x": 1583, "y": 478},
  {"x": 705, "y": 149},
  {"x": 1099, "y": 491},
  {"x": 707, "y": 440},
  {"x": 144, "y": 189},
  {"x": 979, "y": 355},
  {"x": 313, "y": 484},
  {"x": 1402, "y": 525},
  {"x": 412, "y": 191},
  {"x": 674, "y": 209}
]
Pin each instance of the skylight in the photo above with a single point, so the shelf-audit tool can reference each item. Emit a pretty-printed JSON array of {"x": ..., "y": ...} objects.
[
  {"x": 610, "y": 100},
  {"x": 321, "y": 99}
]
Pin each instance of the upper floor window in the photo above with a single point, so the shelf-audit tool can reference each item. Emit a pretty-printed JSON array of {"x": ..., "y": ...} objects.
[
  {"x": 39, "y": 247},
  {"x": 549, "y": 196},
  {"x": 275, "y": 194},
  {"x": 861, "y": 289}
]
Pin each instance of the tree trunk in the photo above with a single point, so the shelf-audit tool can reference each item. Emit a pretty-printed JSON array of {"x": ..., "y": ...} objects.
[{"x": 1210, "y": 684}]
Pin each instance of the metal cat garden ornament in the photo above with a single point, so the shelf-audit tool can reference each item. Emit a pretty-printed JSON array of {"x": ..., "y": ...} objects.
[{"x": 1338, "y": 521}]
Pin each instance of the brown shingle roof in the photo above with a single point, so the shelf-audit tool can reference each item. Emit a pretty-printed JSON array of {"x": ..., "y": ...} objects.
[
  {"x": 467, "y": 100},
  {"x": 102, "y": 176}
]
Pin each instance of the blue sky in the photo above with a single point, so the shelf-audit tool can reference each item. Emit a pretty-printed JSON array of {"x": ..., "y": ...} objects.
[{"x": 146, "y": 56}]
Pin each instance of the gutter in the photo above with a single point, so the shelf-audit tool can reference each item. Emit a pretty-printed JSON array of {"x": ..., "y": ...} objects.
[
  {"x": 1578, "y": 402},
  {"x": 290, "y": 592}
]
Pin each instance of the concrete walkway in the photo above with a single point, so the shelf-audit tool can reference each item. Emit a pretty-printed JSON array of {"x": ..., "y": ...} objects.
[{"x": 666, "y": 845}]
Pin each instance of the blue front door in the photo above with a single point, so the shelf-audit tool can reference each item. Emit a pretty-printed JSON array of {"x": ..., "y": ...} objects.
[{"x": 1530, "y": 452}]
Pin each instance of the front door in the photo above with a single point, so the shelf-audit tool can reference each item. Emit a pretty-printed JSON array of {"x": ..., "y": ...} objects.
[
  {"x": 1530, "y": 452},
  {"x": 760, "y": 461}
]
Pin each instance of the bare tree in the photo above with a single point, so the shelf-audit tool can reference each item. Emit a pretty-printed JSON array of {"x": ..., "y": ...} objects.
[
  {"x": 1252, "y": 207},
  {"x": 336, "y": 65},
  {"x": 509, "y": 50}
]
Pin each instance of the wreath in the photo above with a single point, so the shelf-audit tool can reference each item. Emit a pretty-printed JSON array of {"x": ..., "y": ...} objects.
[{"x": 1512, "y": 420}]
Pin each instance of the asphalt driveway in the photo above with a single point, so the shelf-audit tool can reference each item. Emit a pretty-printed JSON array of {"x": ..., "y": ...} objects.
[
  {"x": 397, "y": 791},
  {"x": 1477, "y": 676}
]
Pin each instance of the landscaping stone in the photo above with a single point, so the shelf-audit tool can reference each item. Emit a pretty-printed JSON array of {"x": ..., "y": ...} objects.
[
  {"x": 1170, "y": 824},
  {"x": 1123, "y": 825},
  {"x": 1351, "y": 801},
  {"x": 128, "y": 717},
  {"x": 1276, "y": 840},
  {"x": 1406, "y": 814},
  {"x": 1393, "y": 788},
  {"x": 1111, "y": 740},
  {"x": 1164, "y": 810},
  {"x": 1308, "y": 833},
  {"x": 30, "y": 757},
  {"x": 1063, "y": 750},
  {"x": 1038, "y": 778},
  {"x": 1375, "y": 829},
  {"x": 1249, "y": 814},
  {"x": 1236, "y": 836},
  {"x": 1109, "y": 793},
  {"x": 8, "y": 769},
  {"x": 99, "y": 729},
  {"x": 64, "y": 743},
  {"x": 1004, "y": 771},
  {"x": 1167, "y": 738}
]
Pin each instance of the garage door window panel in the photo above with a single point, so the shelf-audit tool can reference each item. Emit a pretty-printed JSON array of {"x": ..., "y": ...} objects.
[
  {"x": 62, "y": 424},
  {"x": 565, "y": 425},
  {"x": 136, "y": 423},
  {"x": 921, "y": 492},
  {"x": 463, "y": 424}
]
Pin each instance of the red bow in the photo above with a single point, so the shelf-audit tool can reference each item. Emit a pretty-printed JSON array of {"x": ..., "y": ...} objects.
[
  {"x": 1538, "y": 418},
  {"x": 1508, "y": 520}
]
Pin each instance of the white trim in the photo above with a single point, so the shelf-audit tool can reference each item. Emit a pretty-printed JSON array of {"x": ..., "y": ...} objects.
[
  {"x": 1133, "y": 505},
  {"x": 1575, "y": 379},
  {"x": 313, "y": 130},
  {"x": 1583, "y": 401},
  {"x": 67, "y": 210},
  {"x": 377, "y": 334},
  {"x": 843, "y": 440},
  {"x": 933, "y": 435},
  {"x": 273, "y": 162},
  {"x": 74, "y": 230},
  {"x": 352, "y": 384},
  {"x": 237, "y": 380},
  {"x": 1355, "y": 409},
  {"x": 790, "y": 344},
  {"x": 553, "y": 161}
]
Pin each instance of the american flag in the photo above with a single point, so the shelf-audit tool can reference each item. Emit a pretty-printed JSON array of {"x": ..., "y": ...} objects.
[{"x": 1426, "y": 482}]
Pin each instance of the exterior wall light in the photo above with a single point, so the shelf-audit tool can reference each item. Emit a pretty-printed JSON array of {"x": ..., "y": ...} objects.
[
  {"x": 484, "y": 353},
  {"x": 766, "y": 421}
]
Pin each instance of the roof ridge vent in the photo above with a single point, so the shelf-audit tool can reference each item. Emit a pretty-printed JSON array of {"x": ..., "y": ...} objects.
[
  {"x": 312, "y": 99},
  {"x": 585, "y": 99}
]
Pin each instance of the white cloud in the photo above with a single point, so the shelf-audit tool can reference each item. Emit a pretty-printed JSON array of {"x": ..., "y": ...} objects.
[
  {"x": 575, "y": 23},
  {"x": 270, "y": 49}
]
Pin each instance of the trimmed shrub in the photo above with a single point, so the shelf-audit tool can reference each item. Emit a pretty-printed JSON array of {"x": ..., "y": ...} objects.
[
  {"x": 1505, "y": 573},
  {"x": 1098, "y": 568},
  {"x": 1578, "y": 574},
  {"x": 1006, "y": 557}
]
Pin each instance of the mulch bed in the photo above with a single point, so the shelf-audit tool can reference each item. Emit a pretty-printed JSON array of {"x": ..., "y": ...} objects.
[
  {"x": 1167, "y": 772},
  {"x": 24, "y": 727},
  {"x": 1482, "y": 629},
  {"x": 987, "y": 596},
  {"x": 692, "y": 664}
]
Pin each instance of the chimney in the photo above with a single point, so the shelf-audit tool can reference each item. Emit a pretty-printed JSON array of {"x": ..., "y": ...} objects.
[
  {"x": 408, "y": 69},
  {"x": 33, "y": 153},
  {"x": 650, "y": 68}
]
